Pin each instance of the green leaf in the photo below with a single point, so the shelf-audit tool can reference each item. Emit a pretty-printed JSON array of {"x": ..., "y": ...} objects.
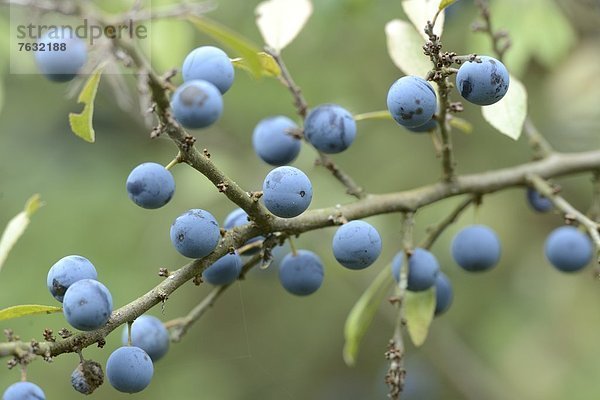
[
  {"x": 360, "y": 317},
  {"x": 446, "y": 3},
  {"x": 269, "y": 66},
  {"x": 81, "y": 124},
  {"x": 421, "y": 11},
  {"x": 16, "y": 227},
  {"x": 461, "y": 125},
  {"x": 405, "y": 47},
  {"x": 27, "y": 309},
  {"x": 280, "y": 21},
  {"x": 508, "y": 115},
  {"x": 418, "y": 312},
  {"x": 384, "y": 114},
  {"x": 244, "y": 47}
]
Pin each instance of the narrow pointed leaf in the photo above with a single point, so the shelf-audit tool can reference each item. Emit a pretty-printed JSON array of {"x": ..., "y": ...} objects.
[
  {"x": 27, "y": 309},
  {"x": 508, "y": 115},
  {"x": 81, "y": 124},
  {"x": 360, "y": 317},
  {"x": 418, "y": 312},
  {"x": 280, "y": 21},
  {"x": 236, "y": 42},
  {"x": 16, "y": 227}
]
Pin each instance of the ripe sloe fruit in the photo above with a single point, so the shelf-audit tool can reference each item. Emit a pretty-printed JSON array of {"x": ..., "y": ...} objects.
[
  {"x": 87, "y": 305},
  {"x": 273, "y": 141},
  {"x": 197, "y": 104},
  {"x": 476, "y": 248},
  {"x": 482, "y": 83},
  {"x": 301, "y": 274},
  {"x": 423, "y": 269},
  {"x": 129, "y": 369},
  {"x": 67, "y": 271},
  {"x": 411, "y": 101},
  {"x": 356, "y": 245},
  {"x": 287, "y": 192},
  {"x": 195, "y": 233},
  {"x": 330, "y": 128}
]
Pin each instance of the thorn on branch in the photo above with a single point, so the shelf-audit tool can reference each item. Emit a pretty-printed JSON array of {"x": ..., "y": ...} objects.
[
  {"x": 197, "y": 280},
  {"x": 206, "y": 153},
  {"x": 188, "y": 142},
  {"x": 48, "y": 335},
  {"x": 163, "y": 272},
  {"x": 65, "y": 333},
  {"x": 222, "y": 186}
]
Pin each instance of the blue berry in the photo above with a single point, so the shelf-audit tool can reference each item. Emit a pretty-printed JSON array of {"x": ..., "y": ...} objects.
[
  {"x": 150, "y": 185},
  {"x": 568, "y": 249},
  {"x": 330, "y": 128},
  {"x": 223, "y": 271},
  {"x": 482, "y": 83},
  {"x": 356, "y": 245},
  {"x": 538, "y": 202},
  {"x": 23, "y": 391},
  {"x": 423, "y": 269},
  {"x": 411, "y": 101},
  {"x": 210, "y": 64},
  {"x": 87, "y": 377},
  {"x": 287, "y": 192},
  {"x": 67, "y": 271},
  {"x": 129, "y": 369},
  {"x": 239, "y": 217},
  {"x": 274, "y": 142},
  {"x": 476, "y": 248},
  {"x": 197, "y": 104},
  {"x": 87, "y": 305},
  {"x": 301, "y": 274},
  {"x": 149, "y": 334},
  {"x": 443, "y": 294},
  {"x": 61, "y": 66},
  {"x": 195, "y": 233},
  {"x": 429, "y": 126}
]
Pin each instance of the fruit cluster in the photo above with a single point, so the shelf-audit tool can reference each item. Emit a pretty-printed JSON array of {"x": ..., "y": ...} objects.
[{"x": 287, "y": 192}]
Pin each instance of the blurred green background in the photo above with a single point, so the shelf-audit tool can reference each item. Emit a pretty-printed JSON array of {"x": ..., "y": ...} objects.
[{"x": 520, "y": 331}]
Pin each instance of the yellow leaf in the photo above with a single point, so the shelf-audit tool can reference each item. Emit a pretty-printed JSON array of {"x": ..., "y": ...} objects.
[
  {"x": 360, "y": 317},
  {"x": 81, "y": 124},
  {"x": 461, "y": 124},
  {"x": 16, "y": 227},
  {"x": 27, "y": 309},
  {"x": 419, "y": 308},
  {"x": 268, "y": 65},
  {"x": 446, "y": 3}
]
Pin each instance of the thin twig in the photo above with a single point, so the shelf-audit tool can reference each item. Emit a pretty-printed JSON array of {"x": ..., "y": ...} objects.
[
  {"x": 539, "y": 145},
  {"x": 500, "y": 40},
  {"x": 571, "y": 213},
  {"x": 434, "y": 232},
  {"x": 396, "y": 350},
  {"x": 302, "y": 108}
]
